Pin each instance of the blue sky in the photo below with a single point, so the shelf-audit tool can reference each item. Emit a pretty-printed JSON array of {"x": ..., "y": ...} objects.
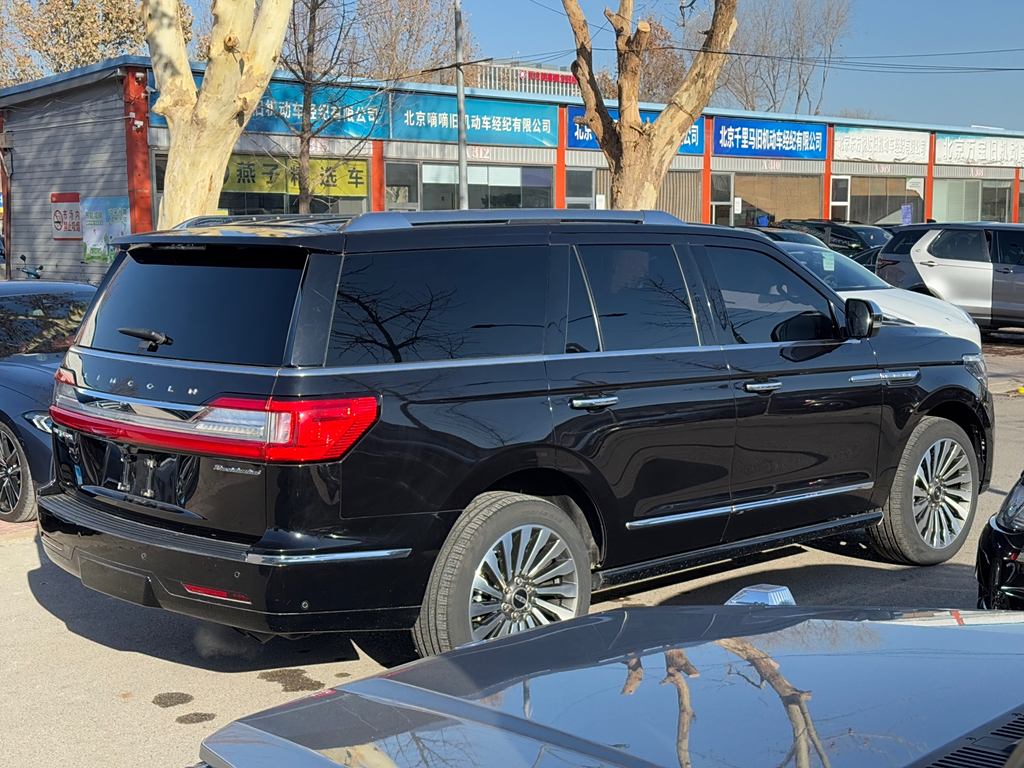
[{"x": 508, "y": 28}]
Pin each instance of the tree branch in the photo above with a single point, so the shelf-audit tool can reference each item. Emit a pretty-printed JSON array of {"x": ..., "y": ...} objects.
[
  {"x": 688, "y": 101},
  {"x": 169, "y": 57},
  {"x": 596, "y": 115}
]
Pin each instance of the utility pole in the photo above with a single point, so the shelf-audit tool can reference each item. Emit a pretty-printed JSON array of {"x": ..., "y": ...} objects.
[{"x": 460, "y": 90}]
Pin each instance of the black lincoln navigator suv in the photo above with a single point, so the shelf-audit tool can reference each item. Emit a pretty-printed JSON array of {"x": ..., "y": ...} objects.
[{"x": 464, "y": 424}]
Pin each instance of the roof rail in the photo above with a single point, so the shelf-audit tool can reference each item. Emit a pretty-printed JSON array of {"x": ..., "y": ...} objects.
[
  {"x": 266, "y": 218},
  {"x": 369, "y": 222}
]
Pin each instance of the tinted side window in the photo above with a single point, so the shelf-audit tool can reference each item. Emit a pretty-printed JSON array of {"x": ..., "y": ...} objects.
[
  {"x": 766, "y": 302},
  {"x": 1011, "y": 247},
  {"x": 581, "y": 330},
  {"x": 960, "y": 244},
  {"x": 400, "y": 307},
  {"x": 902, "y": 242},
  {"x": 641, "y": 300}
]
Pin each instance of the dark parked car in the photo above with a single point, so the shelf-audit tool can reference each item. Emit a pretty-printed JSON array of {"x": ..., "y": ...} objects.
[
  {"x": 465, "y": 423},
  {"x": 747, "y": 686},
  {"x": 847, "y": 238},
  {"x": 38, "y": 321},
  {"x": 977, "y": 266},
  {"x": 788, "y": 235},
  {"x": 999, "y": 570}
]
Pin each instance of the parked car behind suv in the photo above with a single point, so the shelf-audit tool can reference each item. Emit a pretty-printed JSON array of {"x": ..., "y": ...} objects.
[
  {"x": 848, "y": 238},
  {"x": 977, "y": 266},
  {"x": 465, "y": 423}
]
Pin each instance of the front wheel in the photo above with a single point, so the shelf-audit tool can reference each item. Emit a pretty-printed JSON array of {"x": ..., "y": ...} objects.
[
  {"x": 934, "y": 496},
  {"x": 511, "y": 562},
  {"x": 17, "y": 495}
]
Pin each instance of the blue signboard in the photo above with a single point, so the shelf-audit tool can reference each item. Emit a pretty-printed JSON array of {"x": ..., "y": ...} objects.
[
  {"x": 432, "y": 117},
  {"x": 739, "y": 137},
  {"x": 581, "y": 137},
  {"x": 348, "y": 113}
]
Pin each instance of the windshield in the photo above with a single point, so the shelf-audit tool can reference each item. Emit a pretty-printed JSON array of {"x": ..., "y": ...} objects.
[
  {"x": 873, "y": 235},
  {"x": 41, "y": 323},
  {"x": 837, "y": 271}
]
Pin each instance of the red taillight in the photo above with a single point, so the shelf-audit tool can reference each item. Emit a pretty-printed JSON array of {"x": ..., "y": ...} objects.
[
  {"x": 231, "y": 427},
  {"x": 219, "y": 594},
  {"x": 65, "y": 376}
]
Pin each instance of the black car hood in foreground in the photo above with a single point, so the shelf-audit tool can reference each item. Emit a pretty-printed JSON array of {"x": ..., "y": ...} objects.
[{"x": 725, "y": 686}]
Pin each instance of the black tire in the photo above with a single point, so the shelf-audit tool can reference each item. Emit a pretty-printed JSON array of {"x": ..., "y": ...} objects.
[
  {"x": 444, "y": 622},
  {"x": 897, "y": 537},
  {"x": 17, "y": 483}
]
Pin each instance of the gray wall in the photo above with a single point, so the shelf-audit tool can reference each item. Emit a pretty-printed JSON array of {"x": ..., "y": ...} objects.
[{"x": 69, "y": 142}]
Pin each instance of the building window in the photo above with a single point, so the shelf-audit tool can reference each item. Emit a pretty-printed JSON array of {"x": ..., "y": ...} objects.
[
  {"x": 402, "y": 185},
  {"x": 880, "y": 200},
  {"x": 767, "y": 198},
  {"x": 579, "y": 188},
  {"x": 490, "y": 186},
  {"x": 971, "y": 200}
]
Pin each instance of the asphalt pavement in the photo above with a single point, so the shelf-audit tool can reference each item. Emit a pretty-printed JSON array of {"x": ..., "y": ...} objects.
[{"x": 88, "y": 680}]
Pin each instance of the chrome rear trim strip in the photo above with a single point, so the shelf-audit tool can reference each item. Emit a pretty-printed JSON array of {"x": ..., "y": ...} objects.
[
  {"x": 748, "y": 506},
  {"x": 254, "y": 558}
]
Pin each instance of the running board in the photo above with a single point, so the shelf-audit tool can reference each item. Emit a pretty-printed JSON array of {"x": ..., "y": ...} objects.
[{"x": 628, "y": 574}]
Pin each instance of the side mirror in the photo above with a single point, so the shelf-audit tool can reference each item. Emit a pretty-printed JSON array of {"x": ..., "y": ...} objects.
[{"x": 863, "y": 318}]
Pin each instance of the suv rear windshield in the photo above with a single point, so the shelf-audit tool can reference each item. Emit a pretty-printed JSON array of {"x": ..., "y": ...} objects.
[{"x": 225, "y": 306}]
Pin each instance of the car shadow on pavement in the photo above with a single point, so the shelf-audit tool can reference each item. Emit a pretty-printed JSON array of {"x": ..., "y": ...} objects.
[{"x": 123, "y": 626}]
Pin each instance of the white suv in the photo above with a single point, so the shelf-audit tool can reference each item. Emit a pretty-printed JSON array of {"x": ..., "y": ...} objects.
[{"x": 977, "y": 266}]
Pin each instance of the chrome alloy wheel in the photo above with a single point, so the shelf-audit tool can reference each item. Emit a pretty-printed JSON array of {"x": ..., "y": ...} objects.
[
  {"x": 943, "y": 492},
  {"x": 10, "y": 474},
  {"x": 526, "y": 579}
]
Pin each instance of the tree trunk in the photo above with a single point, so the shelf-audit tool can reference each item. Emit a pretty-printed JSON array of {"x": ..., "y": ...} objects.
[
  {"x": 637, "y": 177},
  {"x": 305, "y": 142},
  {"x": 196, "y": 162}
]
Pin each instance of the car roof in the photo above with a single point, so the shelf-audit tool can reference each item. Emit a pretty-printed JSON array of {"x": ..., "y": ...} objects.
[
  {"x": 960, "y": 225},
  {"x": 329, "y": 232},
  {"x": 29, "y": 287}
]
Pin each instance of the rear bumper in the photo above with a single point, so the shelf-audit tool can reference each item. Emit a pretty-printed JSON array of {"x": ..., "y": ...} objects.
[
  {"x": 271, "y": 592},
  {"x": 999, "y": 573}
]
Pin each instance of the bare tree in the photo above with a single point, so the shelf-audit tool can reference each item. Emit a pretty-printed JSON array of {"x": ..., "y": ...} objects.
[
  {"x": 206, "y": 121},
  {"x": 43, "y": 37},
  {"x": 402, "y": 38},
  {"x": 639, "y": 153},
  {"x": 319, "y": 52},
  {"x": 783, "y": 54},
  {"x": 663, "y": 66}
]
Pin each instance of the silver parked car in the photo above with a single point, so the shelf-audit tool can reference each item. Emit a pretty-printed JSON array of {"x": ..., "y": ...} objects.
[{"x": 977, "y": 266}]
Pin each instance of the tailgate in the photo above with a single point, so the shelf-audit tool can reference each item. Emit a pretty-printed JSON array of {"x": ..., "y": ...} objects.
[{"x": 226, "y": 320}]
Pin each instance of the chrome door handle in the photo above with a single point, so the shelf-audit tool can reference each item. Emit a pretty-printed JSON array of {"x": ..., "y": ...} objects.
[
  {"x": 762, "y": 387},
  {"x": 593, "y": 403}
]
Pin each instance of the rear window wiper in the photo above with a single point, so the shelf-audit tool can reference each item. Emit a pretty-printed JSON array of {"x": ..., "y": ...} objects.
[{"x": 154, "y": 338}]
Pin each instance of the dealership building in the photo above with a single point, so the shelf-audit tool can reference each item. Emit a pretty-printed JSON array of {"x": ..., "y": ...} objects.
[{"x": 82, "y": 158}]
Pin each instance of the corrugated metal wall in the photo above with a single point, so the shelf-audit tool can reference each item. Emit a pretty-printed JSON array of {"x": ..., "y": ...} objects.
[
  {"x": 679, "y": 194},
  {"x": 73, "y": 142}
]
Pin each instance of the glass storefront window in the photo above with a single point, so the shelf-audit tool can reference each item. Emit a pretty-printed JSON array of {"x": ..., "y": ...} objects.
[
  {"x": 402, "y": 184},
  {"x": 971, "y": 200},
  {"x": 579, "y": 185},
  {"x": 768, "y": 198},
  {"x": 880, "y": 200},
  {"x": 490, "y": 186}
]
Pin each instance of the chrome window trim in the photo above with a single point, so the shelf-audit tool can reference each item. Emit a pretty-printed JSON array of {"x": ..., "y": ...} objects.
[
  {"x": 633, "y": 525},
  {"x": 431, "y": 364},
  {"x": 277, "y": 561}
]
